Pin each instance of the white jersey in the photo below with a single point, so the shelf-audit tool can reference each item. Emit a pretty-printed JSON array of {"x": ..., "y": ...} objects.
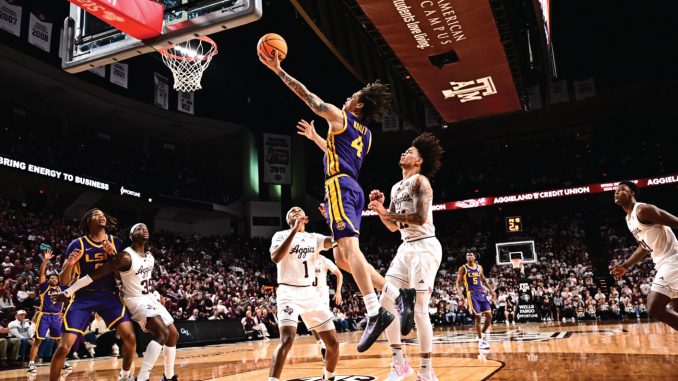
[
  {"x": 297, "y": 268},
  {"x": 657, "y": 239},
  {"x": 137, "y": 280},
  {"x": 321, "y": 266},
  {"x": 402, "y": 195}
]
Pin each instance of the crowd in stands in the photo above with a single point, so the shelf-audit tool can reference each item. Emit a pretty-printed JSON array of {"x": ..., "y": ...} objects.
[{"x": 220, "y": 277}]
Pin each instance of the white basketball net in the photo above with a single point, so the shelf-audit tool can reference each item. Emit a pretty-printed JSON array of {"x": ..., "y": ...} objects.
[{"x": 188, "y": 60}]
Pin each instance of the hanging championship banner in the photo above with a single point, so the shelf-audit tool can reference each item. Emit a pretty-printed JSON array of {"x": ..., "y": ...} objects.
[
  {"x": 119, "y": 74},
  {"x": 39, "y": 32},
  {"x": 161, "y": 98},
  {"x": 277, "y": 159},
  {"x": 186, "y": 103},
  {"x": 10, "y": 17}
]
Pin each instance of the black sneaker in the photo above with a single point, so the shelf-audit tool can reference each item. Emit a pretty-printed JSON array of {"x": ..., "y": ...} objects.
[
  {"x": 405, "y": 307},
  {"x": 174, "y": 378},
  {"x": 375, "y": 326}
]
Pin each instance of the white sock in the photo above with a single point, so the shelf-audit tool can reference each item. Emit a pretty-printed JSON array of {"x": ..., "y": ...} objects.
[
  {"x": 392, "y": 291},
  {"x": 150, "y": 356},
  {"x": 273, "y": 379},
  {"x": 329, "y": 374},
  {"x": 371, "y": 304},
  {"x": 124, "y": 374},
  {"x": 425, "y": 366},
  {"x": 169, "y": 354},
  {"x": 397, "y": 356}
]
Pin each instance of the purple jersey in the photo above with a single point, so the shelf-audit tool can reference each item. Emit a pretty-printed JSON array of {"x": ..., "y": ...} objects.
[
  {"x": 47, "y": 292},
  {"x": 472, "y": 279},
  {"x": 347, "y": 148},
  {"x": 93, "y": 257}
]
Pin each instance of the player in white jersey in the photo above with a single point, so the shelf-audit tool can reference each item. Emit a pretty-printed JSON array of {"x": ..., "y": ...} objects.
[
  {"x": 135, "y": 266},
  {"x": 323, "y": 265},
  {"x": 418, "y": 258},
  {"x": 296, "y": 252},
  {"x": 651, "y": 227}
]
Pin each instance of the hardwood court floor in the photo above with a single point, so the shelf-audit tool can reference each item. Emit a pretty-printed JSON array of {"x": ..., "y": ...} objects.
[{"x": 549, "y": 351}]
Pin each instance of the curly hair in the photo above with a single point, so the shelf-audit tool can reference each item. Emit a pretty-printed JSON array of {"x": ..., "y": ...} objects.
[
  {"x": 111, "y": 222},
  {"x": 376, "y": 98},
  {"x": 430, "y": 151}
]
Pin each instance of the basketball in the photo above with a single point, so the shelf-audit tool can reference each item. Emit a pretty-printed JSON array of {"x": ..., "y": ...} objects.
[{"x": 270, "y": 43}]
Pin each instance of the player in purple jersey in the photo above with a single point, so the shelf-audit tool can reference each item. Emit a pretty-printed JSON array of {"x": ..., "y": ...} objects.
[
  {"x": 85, "y": 254},
  {"x": 348, "y": 141},
  {"x": 471, "y": 274},
  {"x": 49, "y": 316}
]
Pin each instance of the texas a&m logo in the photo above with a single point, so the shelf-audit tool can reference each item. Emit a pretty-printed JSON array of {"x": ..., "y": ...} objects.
[{"x": 471, "y": 90}]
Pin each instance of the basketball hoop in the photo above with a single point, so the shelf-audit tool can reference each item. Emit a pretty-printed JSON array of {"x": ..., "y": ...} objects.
[
  {"x": 517, "y": 263},
  {"x": 188, "y": 60}
]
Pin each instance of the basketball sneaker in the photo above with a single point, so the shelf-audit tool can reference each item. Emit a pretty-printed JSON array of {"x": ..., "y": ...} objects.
[
  {"x": 375, "y": 326},
  {"x": 399, "y": 372},
  {"x": 483, "y": 344},
  {"x": 405, "y": 307},
  {"x": 32, "y": 368},
  {"x": 66, "y": 366},
  {"x": 431, "y": 377},
  {"x": 174, "y": 378}
]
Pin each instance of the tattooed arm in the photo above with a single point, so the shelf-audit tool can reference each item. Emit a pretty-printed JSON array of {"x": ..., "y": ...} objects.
[
  {"x": 326, "y": 110},
  {"x": 423, "y": 194}
]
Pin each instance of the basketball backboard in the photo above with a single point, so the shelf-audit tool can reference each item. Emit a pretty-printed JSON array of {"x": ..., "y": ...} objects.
[
  {"x": 520, "y": 249},
  {"x": 89, "y": 42}
]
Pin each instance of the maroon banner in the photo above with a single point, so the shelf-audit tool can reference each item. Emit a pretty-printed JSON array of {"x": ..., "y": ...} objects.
[
  {"x": 544, "y": 195},
  {"x": 429, "y": 36},
  {"x": 140, "y": 19}
]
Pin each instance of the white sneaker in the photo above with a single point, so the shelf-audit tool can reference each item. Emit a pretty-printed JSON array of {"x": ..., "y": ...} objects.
[
  {"x": 121, "y": 378},
  {"x": 483, "y": 344},
  {"x": 66, "y": 366},
  {"x": 32, "y": 368},
  {"x": 399, "y": 372}
]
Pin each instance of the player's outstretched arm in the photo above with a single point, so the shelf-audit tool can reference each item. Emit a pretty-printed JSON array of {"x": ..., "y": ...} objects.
[
  {"x": 307, "y": 129},
  {"x": 43, "y": 266},
  {"x": 326, "y": 110},
  {"x": 422, "y": 195},
  {"x": 652, "y": 214}
]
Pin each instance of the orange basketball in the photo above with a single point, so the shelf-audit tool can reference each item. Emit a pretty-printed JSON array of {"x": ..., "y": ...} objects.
[{"x": 270, "y": 43}]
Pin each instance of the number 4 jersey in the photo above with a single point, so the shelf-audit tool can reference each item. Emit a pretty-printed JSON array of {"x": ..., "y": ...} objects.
[
  {"x": 297, "y": 268},
  {"x": 137, "y": 280}
]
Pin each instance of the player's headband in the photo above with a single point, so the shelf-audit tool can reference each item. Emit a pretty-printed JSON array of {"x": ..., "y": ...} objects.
[
  {"x": 133, "y": 228},
  {"x": 289, "y": 213}
]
